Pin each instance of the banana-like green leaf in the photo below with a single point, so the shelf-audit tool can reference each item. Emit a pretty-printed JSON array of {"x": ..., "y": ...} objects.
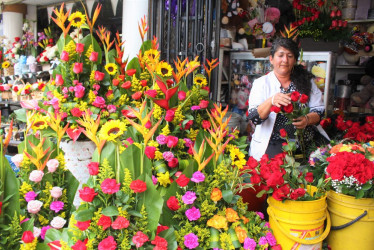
[{"x": 87, "y": 41}]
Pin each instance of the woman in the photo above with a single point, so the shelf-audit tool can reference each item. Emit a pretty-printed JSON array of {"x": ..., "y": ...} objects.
[{"x": 275, "y": 89}]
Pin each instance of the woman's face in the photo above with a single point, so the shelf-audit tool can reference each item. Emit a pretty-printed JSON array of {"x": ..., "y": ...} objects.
[{"x": 282, "y": 61}]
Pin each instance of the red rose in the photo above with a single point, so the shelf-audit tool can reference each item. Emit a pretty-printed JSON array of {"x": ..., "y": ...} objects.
[
  {"x": 143, "y": 83},
  {"x": 203, "y": 104},
  {"x": 255, "y": 179},
  {"x": 288, "y": 109},
  {"x": 275, "y": 109},
  {"x": 161, "y": 228},
  {"x": 87, "y": 194},
  {"x": 252, "y": 163},
  {"x": 17, "y": 39},
  {"x": 108, "y": 244},
  {"x": 131, "y": 72},
  {"x": 115, "y": 82},
  {"x": 150, "y": 152},
  {"x": 173, "y": 163},
  {"x": 182, "y": 180},
  {"x": 295, "y": 96},
  {"x": 309, "y": 177},
  {"x": 99, "y": 76},
  {"x": 325, "y": 123},
  {"x": 160, "y": 243},
  {"x": 126, "y": 85},
  {"x": 139, "y": 239},
  {"x": 83, "y": 225},
  {"x": 281, "y": 193},
  {"x": 137, "y": 95},
  {"x": 275, "y": 179},
  {"x": 120, "y": 223},
  {"x": 297, "y": 193},
  {"x": 181, "y": 95},
  {"x": 104, "y": 221},
  {"x": 151, "y": 92},
  {"x": 283, "y": 133},
  {"x": 304, "y": 98},
  {"x": 28, "y": 237},
  {"x": 80, "y": 245},
  {"x": 206, "y": 124},
  {"x": 173, "y": 203},
  {"x": 110, "y": 186},
  {"x": 169, "y": 116},
  {"x": 79, "y": 47},
  {"x": 93, "y": 168},
  {"x": 138, "y": 186}
]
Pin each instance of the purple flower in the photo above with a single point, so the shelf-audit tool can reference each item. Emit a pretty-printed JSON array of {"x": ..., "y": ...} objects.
[
  {"x": 30, "y": 196},
  {"x": 249, "y": 244},
  {"x": 198, "y": 177},
  {"x": 188, "y": 142},
  {"x": 189, "y": 197},
  {"x": 161, "y": 139},
  {"x": 154, "y": 180},
  {"x": 261, "y": 215},
  {"x": 267, "y": 224},
  {"x": 196, "y": 107},
  {"x": 262, "y": 241},
  {"x": 270, "y": 239},
  {"x": 56, "y": 206},
  {"x": 193, "y": 214},
  {"x": 168, "y": 156},
  {"x": 191, "y": 241},
  {"x": 44, "y": 231}
]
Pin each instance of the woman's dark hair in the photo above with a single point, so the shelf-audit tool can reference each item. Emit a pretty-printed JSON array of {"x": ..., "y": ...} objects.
[{"x": 299, "y": 76}]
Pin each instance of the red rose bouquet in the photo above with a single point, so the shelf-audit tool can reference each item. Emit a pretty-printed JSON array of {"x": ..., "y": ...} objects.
[{"x": 363, "y": 132}]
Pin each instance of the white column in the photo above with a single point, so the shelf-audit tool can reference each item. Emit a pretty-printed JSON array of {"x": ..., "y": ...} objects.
[
  {"x": 130, "y": 19},
  {"x": 13, "y": 20}
]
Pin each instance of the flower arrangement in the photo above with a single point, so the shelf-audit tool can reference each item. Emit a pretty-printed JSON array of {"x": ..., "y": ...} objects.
[
  {"x": 46, "y": 42},
  {"x": 319, "y": 19},
  {"x": 348, "y": 167}
]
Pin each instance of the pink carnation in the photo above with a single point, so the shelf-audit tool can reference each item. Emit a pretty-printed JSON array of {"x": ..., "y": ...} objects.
[
  {"x": 110, "y": 186},
  {"x": 193, "y": 214}
]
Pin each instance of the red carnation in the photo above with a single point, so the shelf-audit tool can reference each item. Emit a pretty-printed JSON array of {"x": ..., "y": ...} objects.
[
  {"x": 288, "y": 109},
  {"x": 108, "y": 244},
  {"x": 139, "y": 239},
  {"x": 309, "y": 177},
  {"x": 138, "y": 186},
  {"x": 150, "y": 152},
  {"x": 295, "y": 96},
  {"x": 115, "y": 82},
  {"x": 104, "y": 221},
  {"x": 28, "y": 237},
  {"x": 131, "y": 72},
  {"x": 83, "y": 225},
  {"x": 173, "y": 203},
  {"x": 110, "y": 186},
  {"x": 143, "y": 83},
  {"x": 80, "y": 245},
  {"x": 297, "y": 193},
  {"x": 304, "y": 98},
  {"x": 205, "y": 124},
  {"x": 87, "y": 194},
  {"x": 160, "y": 243},
  {"x": 93, "y": 168},
  {"x": 173, "y": 163},
  {"x": 161, "y": 228},
  {"x": 183, "y": 180},
  {"x": 325, "y": 123},
  {"x": 120, "y": 223}
]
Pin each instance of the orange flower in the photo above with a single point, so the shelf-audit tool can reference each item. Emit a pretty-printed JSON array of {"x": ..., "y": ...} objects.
[
  {"x": 336, "y": 149},
  {"x": 241, "y": 234},
  {"x": 217, "y": 222},
  {"x": 216, "y": 194},
  {"x": 231, "y": 215},
  {"x": 245, "y": 220}
]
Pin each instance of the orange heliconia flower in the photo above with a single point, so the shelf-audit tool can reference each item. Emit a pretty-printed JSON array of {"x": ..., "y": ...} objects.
[
  {"x": 143, "y": 28},
  {"x": 61, "y": 19}
]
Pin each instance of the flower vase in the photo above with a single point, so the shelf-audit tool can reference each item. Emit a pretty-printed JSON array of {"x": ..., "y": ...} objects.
[
  {"x": 299, "y": 224},
  {"x": 352, "y": 222},
  {"x": 77, "y": 155}
]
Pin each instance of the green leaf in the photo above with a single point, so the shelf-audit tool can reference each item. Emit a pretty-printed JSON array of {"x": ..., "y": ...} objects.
[
  {"x": 147, "y": 45},
  {"x": 169, "y": 236},
  {"x": 214, "y": 238},
  {"x": 134, "y": 64},
  {"x": 261, "y": 193},
  {"x": 366, "y": 186},
  {"x": 28, "y": 225},
  {"x": 21, "y": 115},
  {"x": 87, "y": 41},
  {"x": 227, "y": 195},
  {"x": 360, "y": 194},
  {"x": 52, "y": 235},
  {"x": 72, "y": 188},
  {"x": 234, "y": 238},
  {"x": 62, "y": 42},
  {"x": 135, "y": 213},
  {"x": 42, "y": 246},
  {"x": 83, "y": 215},
  {"x": 110, "y": 211},
  {"x": 11, "y": 187},
  {"x": 130, "y": 159}
]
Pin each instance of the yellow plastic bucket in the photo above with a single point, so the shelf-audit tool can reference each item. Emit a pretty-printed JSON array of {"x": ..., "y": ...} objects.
[
  {"x": 299, "y": 224},
  {"x": 352, "y": 222}
]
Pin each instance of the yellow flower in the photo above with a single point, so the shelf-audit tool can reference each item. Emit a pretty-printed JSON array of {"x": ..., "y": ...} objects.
[
  {"x": 5, "y": 64},
  {"x": 164, "y": 69},
  {"x": 241, "y": 234},
  {"x": 216, "y": 194},
  {"x": 200, "y": 80},
  {"x": 164, "y": 178},
  {"x": 151, "y": 56},
  {"x": 40, "y": 122},
  {"x": 158, "y": 155},
  {"x": 217, "y": 222},
  {"x": 237, "y": 158},
  {"x": 231, "y": 215},
  {"x": 111, "y": 68},
  {"x": 77, "y": 19},
  {"x": 111, "y": 130},
  {"x": 25, "y": 188}
]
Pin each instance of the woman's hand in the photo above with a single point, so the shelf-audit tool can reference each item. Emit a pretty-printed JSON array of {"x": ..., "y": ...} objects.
[
  {"x": 300, "y": 122},
  {"x": 280, "y": 99}
]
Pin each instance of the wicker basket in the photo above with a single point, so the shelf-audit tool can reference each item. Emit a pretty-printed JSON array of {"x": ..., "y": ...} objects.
[
  {"x": 37, "y": 95},
  {"x": 9, "y": 71},
  {"x": 6, "y": 95},
  {"x": 25, "y": 97}
]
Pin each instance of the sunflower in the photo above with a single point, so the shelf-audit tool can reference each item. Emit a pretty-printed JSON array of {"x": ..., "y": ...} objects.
[
  {"x": 111, "y": 130},
  {"x": 39, "y": 122},
  {"x": 5, "y": 64},
  {"x": 200, "y": 80},
  {"x": 164, "y": 69},
  {"x": 77, "y": 19},
  {"x": 111, "y": 68},
  {"x": 151, "y": 56}
]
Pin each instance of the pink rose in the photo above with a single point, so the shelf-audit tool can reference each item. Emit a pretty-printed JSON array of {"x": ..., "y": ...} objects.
[
  {"x": 181, "y": 95},
  {"x": 78, "y": 68},
  {"x": 93, "y": 56},
  {"x": 79, "y": 47},
  {"x": 56, "y": 192},
  {"x": 58, "y": 222},
  {"x": 64, "y": 56},
  {"x": 203, "y": 104},
  {"x": 99, "y": 102},
  {"x": 59, "y": 80},
  {"x": 76, "y": 112},
  {"x": 52, "y": 165},
  {"x": 111, "y": 108},
  {"x": 34, "y": 206},
  {"x": 36, "y": 176},
  {"x": 172, "y": 141},
  {"x": 17, "y": 159},
  {"x": 79, "y": 91}
]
